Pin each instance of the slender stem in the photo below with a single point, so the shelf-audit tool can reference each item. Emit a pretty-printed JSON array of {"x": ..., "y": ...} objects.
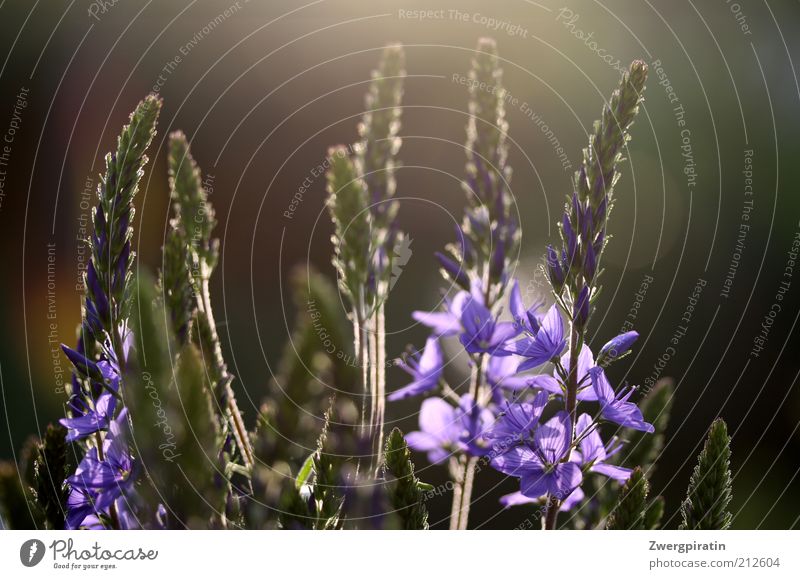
[
  {"x": 462, "y": 492},
  {"x": 570, "y": 405},
  {"x": 466, "y": 495},
  {"x": 551, "y": 516},
  {"x": 458, "y": 470},
  {"x": 380, "y": 372}
]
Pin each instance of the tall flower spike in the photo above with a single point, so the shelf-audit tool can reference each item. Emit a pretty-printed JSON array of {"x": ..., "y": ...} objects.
[
  {"x": 108, "y": 291},
  {"x": 379, "y": 128},
  {"x": 193, "y": 224},
  {"x": 706, "y": 504},
  {"x": 352, "y": 220},
  {"x": 489, "y": 239}
]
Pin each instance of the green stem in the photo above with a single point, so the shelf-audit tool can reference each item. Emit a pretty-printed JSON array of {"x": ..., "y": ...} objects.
[{"x": 570, "y": 405}]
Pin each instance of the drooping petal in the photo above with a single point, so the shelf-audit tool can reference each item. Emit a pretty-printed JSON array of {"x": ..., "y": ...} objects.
[
  {"x": 537, "y": 483},
  {"x": 422, "y": 441},
  {"x": 552, "y": 438},
  {"x": 618, "y": 473},
  {"x": 553, "y": 330},
  {"x": 438, "y": 418},
  {"x": 442, "y": 323},
  {"x": 566, "y": 477},
  {"x": 515, "y": 499},
  {"x": 518, "y": 461},
  {"x": 591, "y": 444},
  {"x": 572, "y": 500},
  {"x": 545, "y": 382},
  {"x": 431, "y": 361},
  {"x": 518, "y": 420}
]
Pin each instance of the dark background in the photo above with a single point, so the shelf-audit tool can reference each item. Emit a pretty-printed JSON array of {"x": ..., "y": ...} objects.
[{"x": 264, "y": 94}]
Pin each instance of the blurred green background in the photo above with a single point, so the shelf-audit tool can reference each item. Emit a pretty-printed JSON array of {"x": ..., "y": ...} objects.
[{"x": 264, "y": 88}]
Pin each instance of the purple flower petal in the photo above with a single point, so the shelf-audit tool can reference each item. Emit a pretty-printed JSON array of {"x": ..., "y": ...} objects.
[{"x": 553, "y": 437}]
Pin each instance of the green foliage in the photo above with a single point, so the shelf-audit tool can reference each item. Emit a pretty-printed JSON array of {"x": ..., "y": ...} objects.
[
  {"x": 632, "y": 503},
  {"x": 169, "y": 403},
  {"x": 352, "y": 220},
  {"x": 376, "y": 153},
  {"x": 318, "y": 355},
  {"x": 119, "y": 185},
  {"x": 654, "y": 513},
  {"x": 176, "y": 283},
  {"x": 51, "y": 467},
  {"x": 598, "y": 174},
  {"x": 185, "y": 284},
  {"x": 17, "y": 509},
  {"x": 194, "y": 215},
  {"x": 710, "y": 487},
  {"x": 487, "y": 150},
  {"x": 407, "y": 491},
  {"x": 314, "y": 500},
  {"x": 327, "y": 498}
]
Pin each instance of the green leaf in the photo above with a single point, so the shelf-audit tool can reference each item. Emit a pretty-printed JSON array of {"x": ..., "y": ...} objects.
[
  {"x": 352, "y": 242},
  {"x": 407, "y": 492},
  {"x": 654, "y": 513},
  {"x": 305, "y": 472},
  {"x": 51, "y": 467},
  {"x": 630, "y": 510},
  {"x": 710, "y": 487}
]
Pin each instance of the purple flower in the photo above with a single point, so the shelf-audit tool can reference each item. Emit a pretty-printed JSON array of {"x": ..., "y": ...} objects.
[
  {"x": 90, "y": 420},
  {"x": 100, "y": 482},
  {"x": 426, "y": 371},
  {"x": 585, "y": 363},
  {"x": 539, "y": 465},
  {"x": 517, "y": 498},
  {"x": 501, "y": 372},
  {"x": 483, "y": 333},
  {"x": 448, "y": 322},
  {"x": 555, "y": 271},
  {"x": 593, "y": 453},
  {"x": 445, "y": 429},
  {"x": 615, "y": 407},
  {"x": 580, "y": 309},
  {"x": 518, "y": 421},
  {"x": 548, "y": 343},
  {"x": 528, "y": 320},
  {"x": 616, "y": 348}
]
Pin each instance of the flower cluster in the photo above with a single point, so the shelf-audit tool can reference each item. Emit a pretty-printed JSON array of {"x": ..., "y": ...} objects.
[
  {"x": 510, "y": 424},
  {"x": 97, "y": 421},
  {"x": 505, "y": 414}
]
